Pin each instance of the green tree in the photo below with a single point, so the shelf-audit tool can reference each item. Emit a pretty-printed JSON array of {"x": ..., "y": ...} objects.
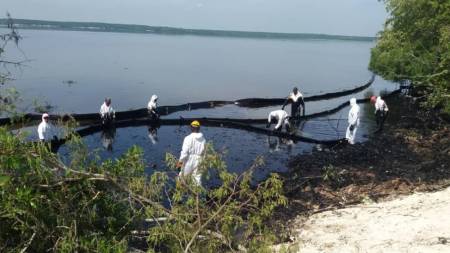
[
  {"x": 8, "y": 96},
  {"x": 415, "y": 46}
]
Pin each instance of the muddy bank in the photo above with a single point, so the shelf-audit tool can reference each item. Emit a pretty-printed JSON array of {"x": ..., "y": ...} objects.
[{"x": 411, "y": 154}]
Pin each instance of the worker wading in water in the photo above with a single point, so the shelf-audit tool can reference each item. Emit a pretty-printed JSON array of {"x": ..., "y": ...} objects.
[
  {"x": 281, "y": 118},
  {"x": 353, "y": 121},
  {"x": 192, "y": 154},
  {"x": 381, "y": 111},
  {"x": 107, "y": 113},
  {"x": 46, "y": 131},
  {"x": 152, "y": 105},
  {"x": 296, "y": 99}
]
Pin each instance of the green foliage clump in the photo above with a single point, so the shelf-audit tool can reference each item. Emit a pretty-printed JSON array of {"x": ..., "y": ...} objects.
[
  {"x": 415, "y": 46},
  {"x": 333, "y": 176},
  {"x": 231, "y": 215},
  {"x": 90, "y": 205},
  {"x": 45, "y": 205}
]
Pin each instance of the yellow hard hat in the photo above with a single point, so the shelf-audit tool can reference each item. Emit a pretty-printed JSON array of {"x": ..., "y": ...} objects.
[{"x": 195, "y": 123}]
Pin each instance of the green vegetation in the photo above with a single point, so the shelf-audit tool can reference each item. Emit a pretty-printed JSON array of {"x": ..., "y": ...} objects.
[
  {"x": 415, "y": 46},
  {"x": 92, "y": 206},
  {"x": 125, "y": 28}
]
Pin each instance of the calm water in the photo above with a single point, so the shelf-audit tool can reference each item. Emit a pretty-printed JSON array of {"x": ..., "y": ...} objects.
[{"x": 131, "y": 67}]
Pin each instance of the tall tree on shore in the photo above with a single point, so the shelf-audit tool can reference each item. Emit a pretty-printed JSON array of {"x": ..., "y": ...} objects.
[
  {"x": 8, "y": 96},
  {"x": 5, "y": 38},
  {"x": 415, "y": 46}
]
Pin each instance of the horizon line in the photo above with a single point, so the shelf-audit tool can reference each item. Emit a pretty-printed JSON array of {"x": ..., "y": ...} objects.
[{"x": 122, "y": 28}]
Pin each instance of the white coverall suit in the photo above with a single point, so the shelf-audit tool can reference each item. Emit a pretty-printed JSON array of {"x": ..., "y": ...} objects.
[
  {"x": 152, "y": 104},
  {"x": 381, "y": 112},
  {"x": 191, "y": 155},
  {"x": 353, "y": 121},
  {"x": 380, "y": 105},
  {"x": 282, "y": 118},
  {"x": 107, "y": 111},
  {"x": 45, "y": 130},
  {"x": 297, "y": 101}
]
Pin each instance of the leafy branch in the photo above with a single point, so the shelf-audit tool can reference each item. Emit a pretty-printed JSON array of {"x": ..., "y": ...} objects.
[{"x": 92, "y": 205}]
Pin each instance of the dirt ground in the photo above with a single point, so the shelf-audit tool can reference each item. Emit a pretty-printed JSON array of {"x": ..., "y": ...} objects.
[
  {"x": 416, "y": 223},
  {"x": 411, "y": 155}
]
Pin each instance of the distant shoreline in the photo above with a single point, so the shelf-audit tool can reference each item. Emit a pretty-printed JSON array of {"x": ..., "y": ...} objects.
[{"x": 128, "y": 28}]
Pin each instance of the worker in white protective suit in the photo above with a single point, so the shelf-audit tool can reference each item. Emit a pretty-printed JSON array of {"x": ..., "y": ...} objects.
[
  {"x": 192, "y": 153},
  {"x": 152, "y": 105},
  {"x": 296, "y": 99},
  {"x": 107, "y": 113},
  {"x": 381, "y": 111},
  {"x": 353, "y": 121},
  {"x": 282, "y": 119},
  {"x": 46, "y": 131}
]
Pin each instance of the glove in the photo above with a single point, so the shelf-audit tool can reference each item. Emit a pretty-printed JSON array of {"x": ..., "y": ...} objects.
[
  {"x": 352, "y": 127},
  {"x": 282, "y": 108},
  {"x": 267, "y": 125}
]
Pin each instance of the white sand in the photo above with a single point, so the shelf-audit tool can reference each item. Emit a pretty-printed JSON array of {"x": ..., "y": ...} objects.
[{"x": 416, "y": 223}]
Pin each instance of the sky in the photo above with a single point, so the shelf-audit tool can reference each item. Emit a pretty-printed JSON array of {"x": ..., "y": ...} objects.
[{"x": 344, "y": 17}]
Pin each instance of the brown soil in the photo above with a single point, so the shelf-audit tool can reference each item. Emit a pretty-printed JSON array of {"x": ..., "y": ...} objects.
[{"x": 411, "y": 154}]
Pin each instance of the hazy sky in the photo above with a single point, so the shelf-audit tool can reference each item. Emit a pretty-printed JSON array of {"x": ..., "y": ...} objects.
[{"x": 348, "y": 17}]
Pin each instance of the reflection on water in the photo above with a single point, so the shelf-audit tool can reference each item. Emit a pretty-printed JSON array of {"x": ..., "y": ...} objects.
[
  {"x": 107, "y": 136},
  {"x": 239, "y": 148},
  {"x": 153, "y": 133}
]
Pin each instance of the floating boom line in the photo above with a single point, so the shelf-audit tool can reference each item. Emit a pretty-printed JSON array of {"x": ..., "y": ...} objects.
[
  {"x": 241, "y": 124},
  {"x": 170, "y": 109}
]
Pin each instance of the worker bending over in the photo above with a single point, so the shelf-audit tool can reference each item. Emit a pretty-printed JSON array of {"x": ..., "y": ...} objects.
[
  {"x": 296, "y": 99},
  {"x": 282, "y": 119},
  {"x": 107, "y": 113},
  {"x": 191, "y": 153},
  {"x": 152, "y": 105},
  {"x": 381, "y": 111},
  {"x": 353, "y": 121},
  {"x": 46, "y": 131}
]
